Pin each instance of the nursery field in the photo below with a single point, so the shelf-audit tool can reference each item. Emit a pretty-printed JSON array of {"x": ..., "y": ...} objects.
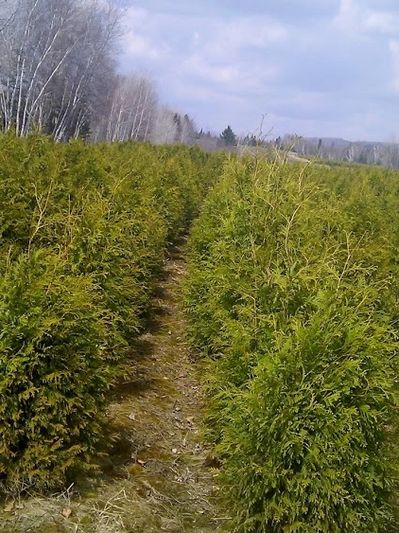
[
  {"x": 283, "y": 332},
  {"x": 292, "y": 300},
  {"x": 83, "y": 231}
]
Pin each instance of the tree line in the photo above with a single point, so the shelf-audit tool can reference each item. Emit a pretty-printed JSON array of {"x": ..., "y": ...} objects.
[
  {"x": 335, "y": 149},
  {"x": 58, "y": 75}
]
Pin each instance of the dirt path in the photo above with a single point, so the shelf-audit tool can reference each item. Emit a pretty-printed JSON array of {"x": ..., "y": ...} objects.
[{"x": 157, "y": 476}]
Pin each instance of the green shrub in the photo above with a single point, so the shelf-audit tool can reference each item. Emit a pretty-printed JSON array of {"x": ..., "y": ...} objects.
[
  {"x": 307, "y": 446},
  {"x": 52, "y": 365},
  {"x": 292, "y": 296},
  {"x": 83, "y": 233}
]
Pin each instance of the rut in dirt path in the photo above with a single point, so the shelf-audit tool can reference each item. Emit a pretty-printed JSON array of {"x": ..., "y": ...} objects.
[{"x": 160, "y": 408}]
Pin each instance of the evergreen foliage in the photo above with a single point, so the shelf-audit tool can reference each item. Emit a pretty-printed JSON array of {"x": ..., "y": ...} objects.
[
  {"x": 52, "y": 366},
  {"x": 83, "y": 231},
  {"x": 292, "y": 297},
  {"x": 228, "y": 137}
]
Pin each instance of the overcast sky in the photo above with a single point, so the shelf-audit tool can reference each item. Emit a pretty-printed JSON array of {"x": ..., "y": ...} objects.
[{"x": 313, "y": 67}]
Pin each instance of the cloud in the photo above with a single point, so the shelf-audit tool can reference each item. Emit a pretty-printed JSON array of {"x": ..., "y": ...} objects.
[
  {"x": 223, "y": 52},
  {"x": 356, "y": 17},
  {"x": 394, "y": 49},
  {"x": 231, "y": 76},
  {"x": 347, "y": 14},
  {"x": 139, "y": 46},
  {"x": 380, "y": 21},
  {"x": 218, "y": 73},
  {"x": 232, "y": 53},
  {"x": 250, "y": 32},
  {"x": 314, "y": 67}
]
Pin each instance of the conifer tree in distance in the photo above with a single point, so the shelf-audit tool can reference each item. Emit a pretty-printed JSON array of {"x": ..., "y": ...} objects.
[{"x": 229, "y": 137}]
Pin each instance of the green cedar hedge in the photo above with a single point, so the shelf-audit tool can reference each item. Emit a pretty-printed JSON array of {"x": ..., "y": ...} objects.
[
  {"x": 53, "y": 371},
  {"x": 83, "y": 230},
  {"x": 292, "y": 300}
]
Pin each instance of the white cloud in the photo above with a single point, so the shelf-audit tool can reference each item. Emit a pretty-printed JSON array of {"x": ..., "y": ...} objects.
[
  {"x": 135, "y": 16},
  {"x": 217, "y": 73},
  {"x": 381, "y": 21},
  {"x": 139, "y": 46},
  {"x": 209, "y": 95},
  {"x": 347, "y": 13},
  {"x": 229, "y": 38},
  {"x": 229, "y": 53},
  {"x": 316, "y": 68},
  {"x": 254, "y": 32},
  {"x": 355, "y": 16},
  {"x": 394, "y": 49},
  {"x": 237, "y": 76},
  {"x": 139, "y": 39}
]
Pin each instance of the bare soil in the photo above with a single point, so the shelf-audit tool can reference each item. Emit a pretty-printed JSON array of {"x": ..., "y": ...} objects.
[{"x": 158, "y": 475}]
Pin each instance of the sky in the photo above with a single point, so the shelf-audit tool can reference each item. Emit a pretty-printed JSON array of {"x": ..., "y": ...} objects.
[{"x": 313, "y": 67}]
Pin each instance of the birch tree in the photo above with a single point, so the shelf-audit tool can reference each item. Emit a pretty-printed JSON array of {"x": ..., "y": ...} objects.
[
  {"x": 132, "y": 111},
  {"x": 58, "y": 75},
  {"x": 52, "y": 53},
  {"x": 88, "y": 77},
  {"x": 31, "y": 45}
]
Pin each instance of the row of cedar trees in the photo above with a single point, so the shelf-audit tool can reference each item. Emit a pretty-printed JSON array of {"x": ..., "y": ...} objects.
[
  {"x": 58, "y": 75},
  {"x": 292, "y": 297},
  {"x": 83, "y": 230}
]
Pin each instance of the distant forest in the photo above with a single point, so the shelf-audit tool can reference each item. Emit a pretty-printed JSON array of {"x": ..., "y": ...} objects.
[
  {"x": 335, "y": 149},
  {"x": 58, "y": 75}
]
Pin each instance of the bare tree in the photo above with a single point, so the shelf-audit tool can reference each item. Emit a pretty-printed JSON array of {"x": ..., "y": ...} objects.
[
  {"x": 58, "y": 75},
  {"x": 32, "y": 46},
  {"x": 165, "y": 127},
  {"x": 51, "y": 52},
  {"x": 131, "y": 113},
  {"x": 172, "y": 127},
  {"x": 8, "y": 9},
  {"x": 87, "y": 81}
]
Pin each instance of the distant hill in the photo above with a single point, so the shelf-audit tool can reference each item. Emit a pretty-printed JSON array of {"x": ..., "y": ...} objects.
[{"x": 335, "y": 148}]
